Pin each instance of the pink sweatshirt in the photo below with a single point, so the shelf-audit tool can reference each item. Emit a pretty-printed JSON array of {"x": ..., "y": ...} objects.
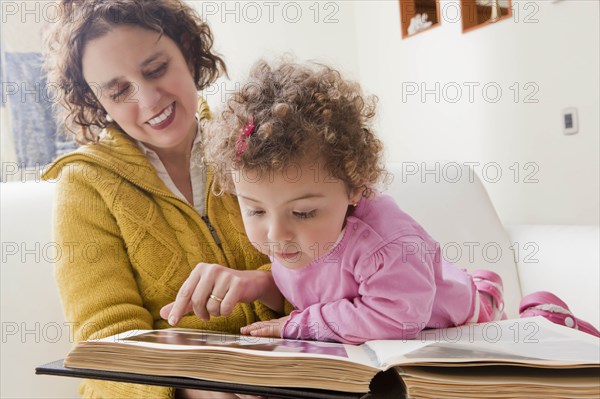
[{"x": 385, "y": 279}]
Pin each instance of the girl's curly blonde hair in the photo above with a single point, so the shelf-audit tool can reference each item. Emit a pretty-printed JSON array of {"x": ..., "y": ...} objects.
[
  {"x": 299, "y": 112},
  {"x": 80, "y": 21}
]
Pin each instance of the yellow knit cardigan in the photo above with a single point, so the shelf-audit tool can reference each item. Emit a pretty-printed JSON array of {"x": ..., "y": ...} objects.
[{"x": 129, "y": 244}]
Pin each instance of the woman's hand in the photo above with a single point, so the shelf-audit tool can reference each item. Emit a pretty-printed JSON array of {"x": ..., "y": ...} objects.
[
  {"x": 214, "y": 290},
  {"x": 271, "y": 328}
]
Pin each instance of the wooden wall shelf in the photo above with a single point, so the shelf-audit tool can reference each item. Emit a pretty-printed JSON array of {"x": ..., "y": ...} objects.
[
  {"x": 410, "y": 8},
  {"x": 474, "y": 13},
  {"x": 478, "y": 13}
]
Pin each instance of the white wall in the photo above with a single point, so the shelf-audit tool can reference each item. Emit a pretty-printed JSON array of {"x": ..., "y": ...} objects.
[
  {"x": 553, "y": 46},
  {"x": 245, "y": 31},
  {"x": 546, "y": 54}
]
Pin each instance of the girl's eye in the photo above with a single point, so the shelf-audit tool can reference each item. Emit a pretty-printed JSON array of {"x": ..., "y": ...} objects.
[
  {"x": 252, "y": 212},
  {"x": 158, "y": 71},
  {"x": 306, "y": 215}
]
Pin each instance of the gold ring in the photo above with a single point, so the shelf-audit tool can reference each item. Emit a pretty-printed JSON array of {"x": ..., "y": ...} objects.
[{"x": 216, "y": 298}]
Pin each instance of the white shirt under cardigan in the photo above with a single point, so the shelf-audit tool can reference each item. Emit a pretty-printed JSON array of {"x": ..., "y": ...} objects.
[{"x": 197, "y": 172}]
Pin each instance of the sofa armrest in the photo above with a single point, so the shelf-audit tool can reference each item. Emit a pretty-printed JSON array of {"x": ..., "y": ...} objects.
[
  {"x": 449, "y": 200},
  {"x": 564, "y": 260},
  {"x": 34, "y": 330}
]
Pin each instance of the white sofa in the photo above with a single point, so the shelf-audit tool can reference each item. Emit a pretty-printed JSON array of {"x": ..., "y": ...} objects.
[{"x": 458, "y": 213}]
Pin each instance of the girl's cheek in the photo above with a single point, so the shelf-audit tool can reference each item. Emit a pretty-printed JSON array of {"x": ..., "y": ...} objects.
[
  {"x": 253, "y": 234},
  {"x": 258, "y": 247}
]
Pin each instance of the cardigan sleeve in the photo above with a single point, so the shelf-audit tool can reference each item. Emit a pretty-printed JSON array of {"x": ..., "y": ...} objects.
[
  {"x": 395, "y": 299},
  {"x": 94, "y": 276}
]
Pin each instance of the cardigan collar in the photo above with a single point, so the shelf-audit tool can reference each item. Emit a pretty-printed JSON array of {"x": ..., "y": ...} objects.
[{"x": 119, "y": 153}]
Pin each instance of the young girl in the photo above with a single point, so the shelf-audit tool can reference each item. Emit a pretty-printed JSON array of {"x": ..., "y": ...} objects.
[{"x": 296, "y": 146}]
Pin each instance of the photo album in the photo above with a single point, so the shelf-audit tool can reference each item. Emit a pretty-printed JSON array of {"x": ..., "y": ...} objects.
[{"x": 517, "y": 357}]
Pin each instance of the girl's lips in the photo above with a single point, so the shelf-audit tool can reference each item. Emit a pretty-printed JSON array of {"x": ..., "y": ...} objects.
[
  {"x": 288, "y": 255},
  {"x": 167, "y": 121}
]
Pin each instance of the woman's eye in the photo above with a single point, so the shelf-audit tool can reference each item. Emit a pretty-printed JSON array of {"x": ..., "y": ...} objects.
[
  {"x": 158, "y": 71},
  {"x": 252, "y": 212},
  {"x": 121, "y": 90},
  {"x": 306, "y": 215}
]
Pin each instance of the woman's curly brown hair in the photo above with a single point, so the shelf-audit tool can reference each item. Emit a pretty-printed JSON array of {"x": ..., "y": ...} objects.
[
  {"x": 299, "y": 111},
  {"x": 80, "y": 21}
]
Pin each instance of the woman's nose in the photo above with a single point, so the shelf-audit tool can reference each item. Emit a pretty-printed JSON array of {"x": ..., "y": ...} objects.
[{"x": 148, "y": 97}]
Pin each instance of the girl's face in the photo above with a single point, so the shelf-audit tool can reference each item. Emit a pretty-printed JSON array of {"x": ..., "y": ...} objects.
[
  {"x": 144, "y": 83},
  {"x": 295, "y": 215}
]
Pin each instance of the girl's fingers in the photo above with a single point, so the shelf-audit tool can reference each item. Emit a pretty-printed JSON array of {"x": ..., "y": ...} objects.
[
  {"x": 265, "y": 331},
  {"x": 246, "y": 329},
  {"x": 261, "y": 329}
]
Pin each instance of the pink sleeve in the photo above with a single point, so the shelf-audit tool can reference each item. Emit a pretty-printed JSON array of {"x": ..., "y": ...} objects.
[{"x": 396, "y": 295}]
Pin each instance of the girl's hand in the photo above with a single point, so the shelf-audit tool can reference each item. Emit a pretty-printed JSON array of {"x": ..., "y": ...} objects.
[
  {"x": 214, "y": 290},
  {"x": 271, "y": 328}
]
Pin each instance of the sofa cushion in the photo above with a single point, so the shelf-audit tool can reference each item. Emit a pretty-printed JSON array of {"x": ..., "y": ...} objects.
[{"x": 449, "y": 200}]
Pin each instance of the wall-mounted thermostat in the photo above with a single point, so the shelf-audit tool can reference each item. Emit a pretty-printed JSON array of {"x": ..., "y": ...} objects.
[{"x": 570, "y": 121}]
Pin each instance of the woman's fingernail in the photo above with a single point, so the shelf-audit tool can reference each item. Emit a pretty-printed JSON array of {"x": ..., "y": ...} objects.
[{"x": 172, "y": 320}]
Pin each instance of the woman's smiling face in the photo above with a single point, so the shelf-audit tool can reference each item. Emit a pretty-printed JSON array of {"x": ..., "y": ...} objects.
[{"x": 144, "y": 83}]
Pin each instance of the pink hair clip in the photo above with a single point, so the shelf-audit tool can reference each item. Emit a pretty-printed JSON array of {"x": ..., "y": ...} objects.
[{"x": 241, "y": 144}]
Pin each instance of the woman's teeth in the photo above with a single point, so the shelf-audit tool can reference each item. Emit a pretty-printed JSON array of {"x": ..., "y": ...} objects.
[{"x": 166, "y": 113}]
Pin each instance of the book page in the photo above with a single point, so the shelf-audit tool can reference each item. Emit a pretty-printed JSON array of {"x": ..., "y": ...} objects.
[
  {"x": 179, "y": 339},
  {"x": 534, "y": 341},
  {"x": 500, "y": 382},
  {"x": 228, "y": 358},
  {"x": 503, "y": 375}
]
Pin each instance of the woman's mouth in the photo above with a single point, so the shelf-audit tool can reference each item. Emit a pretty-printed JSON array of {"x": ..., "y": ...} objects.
[{"x": 163, "y": 119}]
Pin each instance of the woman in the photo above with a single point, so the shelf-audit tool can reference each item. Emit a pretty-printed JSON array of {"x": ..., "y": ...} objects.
[{"x": 134, "y": 211}]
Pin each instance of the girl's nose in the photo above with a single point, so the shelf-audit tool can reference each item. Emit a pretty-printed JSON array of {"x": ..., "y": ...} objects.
[{"x": 279, "y": 231}]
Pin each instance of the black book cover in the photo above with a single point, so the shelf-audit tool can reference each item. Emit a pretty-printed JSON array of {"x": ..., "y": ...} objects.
[{"x": 384, "y": 386}]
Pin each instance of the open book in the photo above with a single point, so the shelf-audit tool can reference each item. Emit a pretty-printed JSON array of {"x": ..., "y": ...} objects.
[{"x": 518, "y": 358}]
